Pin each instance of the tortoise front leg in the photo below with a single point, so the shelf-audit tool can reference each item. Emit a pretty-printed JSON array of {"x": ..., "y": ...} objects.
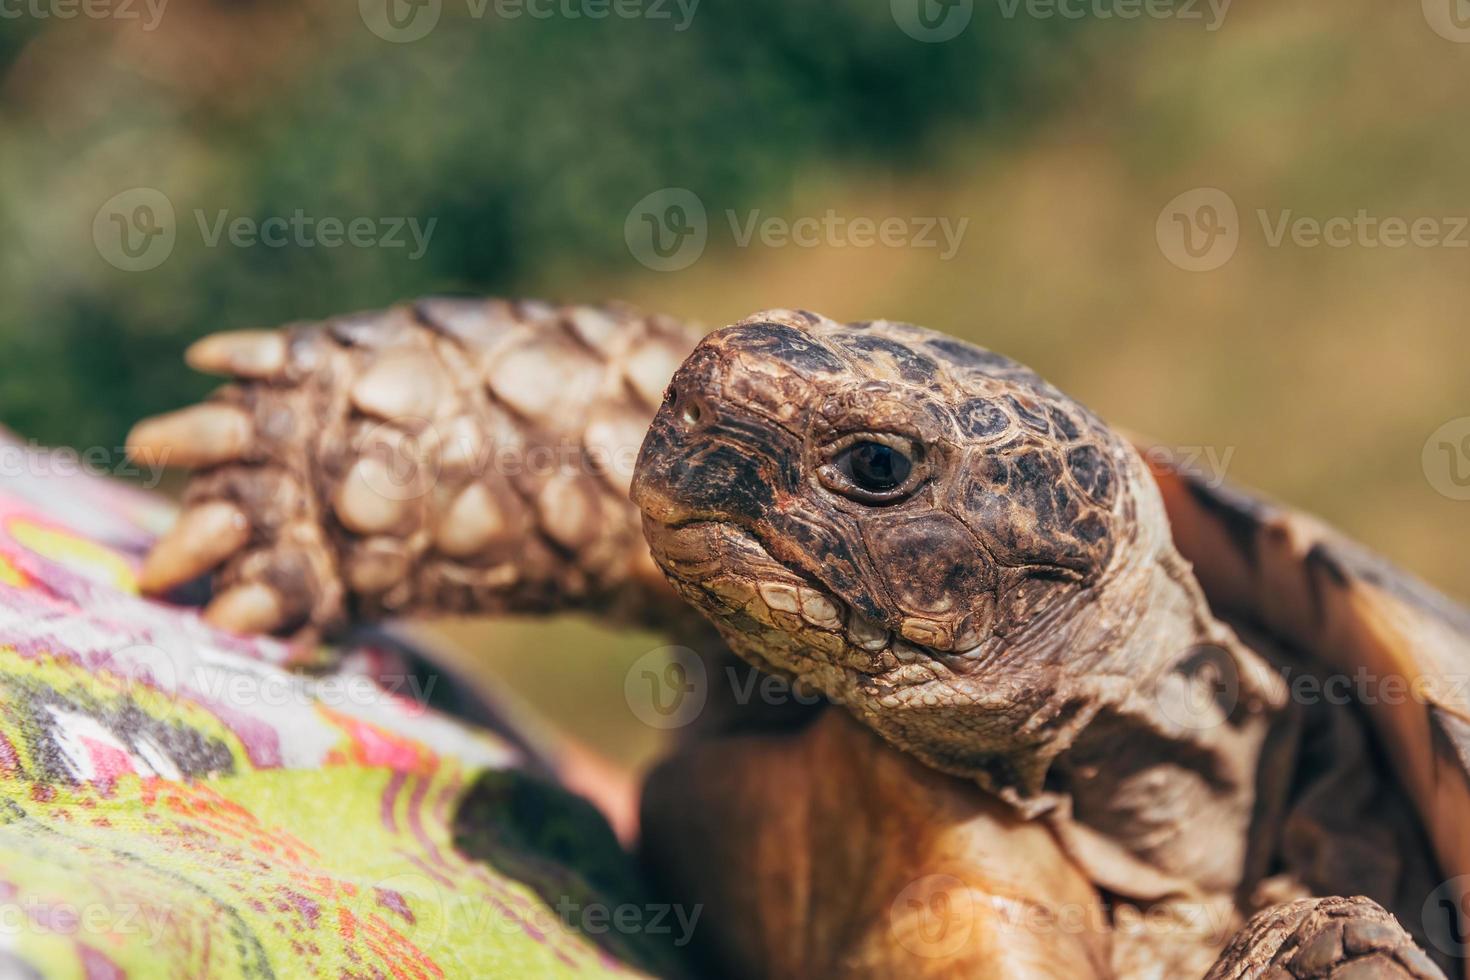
[
  {"x": 452, "y": 456},
  {"x": 1337, "y": 938}
]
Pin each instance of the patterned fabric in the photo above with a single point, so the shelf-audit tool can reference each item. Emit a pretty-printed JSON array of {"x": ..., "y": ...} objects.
[{"x": 175, "y": 802}]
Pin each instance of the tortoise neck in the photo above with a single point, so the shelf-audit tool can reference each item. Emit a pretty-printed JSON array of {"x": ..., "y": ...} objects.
[{"x": 1178, "y": 750}]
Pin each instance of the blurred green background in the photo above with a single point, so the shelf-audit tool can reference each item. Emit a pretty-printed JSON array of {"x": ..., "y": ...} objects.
[{"x": 1317, "y": 373}]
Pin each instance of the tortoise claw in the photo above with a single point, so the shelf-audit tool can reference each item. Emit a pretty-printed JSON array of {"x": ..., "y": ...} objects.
[
  {"x": 255, "y": 354},
  {"x": 201, "y": 435},
  {"x": 249, "y": 608},
  {"x": 204, "y": 536}
]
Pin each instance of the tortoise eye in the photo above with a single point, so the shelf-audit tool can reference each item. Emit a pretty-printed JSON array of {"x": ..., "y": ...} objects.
[{"x": 873, "y": 469}]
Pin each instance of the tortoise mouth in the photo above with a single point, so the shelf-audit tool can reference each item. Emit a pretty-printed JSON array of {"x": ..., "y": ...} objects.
[{"x": 773, "y": 612}]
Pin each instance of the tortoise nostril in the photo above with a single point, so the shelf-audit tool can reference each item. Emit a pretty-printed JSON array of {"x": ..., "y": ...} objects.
[{"x": 689, "y": 409}]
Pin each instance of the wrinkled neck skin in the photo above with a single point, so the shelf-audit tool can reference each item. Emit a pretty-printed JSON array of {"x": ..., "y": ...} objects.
[{"x": 1157, "y": 794}]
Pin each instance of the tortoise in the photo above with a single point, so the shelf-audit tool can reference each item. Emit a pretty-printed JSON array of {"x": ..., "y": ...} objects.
[{"x": 1084, "y": 712}]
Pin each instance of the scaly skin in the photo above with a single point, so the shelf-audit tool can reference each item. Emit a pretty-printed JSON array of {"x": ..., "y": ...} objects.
[
  {"x": 1322, "y": 939},
  {"x": 451, "y": 456},
  {"x": 1017, "y": 614}
]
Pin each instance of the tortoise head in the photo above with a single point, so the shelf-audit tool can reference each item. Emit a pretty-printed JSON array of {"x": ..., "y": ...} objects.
[{"x": 901, "y": 519}]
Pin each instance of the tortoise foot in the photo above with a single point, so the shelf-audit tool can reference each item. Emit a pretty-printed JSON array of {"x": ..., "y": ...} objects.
[
  {"x": 1320, "y": 938},
  {"x": 444, "y": 457}
]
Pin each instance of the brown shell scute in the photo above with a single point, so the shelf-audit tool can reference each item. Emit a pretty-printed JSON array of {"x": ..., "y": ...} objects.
[
  {"x": 1031, "y": 415},
  {"x": 790, "y": 346},
  {"x": 981, "y": 418},
  {"x": 1019, "y": 503},
  {"x": 1066, "y": 427},
  {"x": 910, "y": 365},
  {"x": 959, "y": 353},
  {"x": 1093, "y": 472}
]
